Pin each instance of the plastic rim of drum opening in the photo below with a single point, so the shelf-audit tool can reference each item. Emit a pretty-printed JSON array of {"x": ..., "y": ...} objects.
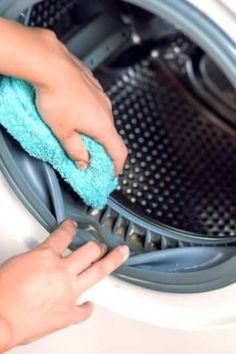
[{"x": 195, "y": 263}]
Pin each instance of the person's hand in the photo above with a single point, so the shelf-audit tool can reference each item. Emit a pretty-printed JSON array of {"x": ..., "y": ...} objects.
[
  {"x": 71, "y": 101},
  {"x": 69, "y": 98},
  {"x": 39, "y": 289}
]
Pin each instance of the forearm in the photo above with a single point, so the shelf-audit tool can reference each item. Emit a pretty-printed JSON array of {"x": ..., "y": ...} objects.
[{"x": 28, "y": 53}]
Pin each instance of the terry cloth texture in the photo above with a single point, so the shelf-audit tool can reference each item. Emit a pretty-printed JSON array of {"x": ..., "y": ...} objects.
[{"x": 18, "y": 114}]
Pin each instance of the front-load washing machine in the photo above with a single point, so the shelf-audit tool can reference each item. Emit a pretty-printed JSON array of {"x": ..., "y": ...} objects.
[{"x": 169, "y": 67}]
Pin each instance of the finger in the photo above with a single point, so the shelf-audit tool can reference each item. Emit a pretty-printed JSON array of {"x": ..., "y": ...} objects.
[
  {"x": 82, "y": 258},
  {"x": 102, "y": 268},
  {"x": 76, "y": 150},
  {"x": 62, "y": 237},
  {"x": 114, "y": 146},
  {"x": 82, "y": 312}
]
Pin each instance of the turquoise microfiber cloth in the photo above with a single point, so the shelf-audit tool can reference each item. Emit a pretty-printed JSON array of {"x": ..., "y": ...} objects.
[{"x": 18, "y": 114}]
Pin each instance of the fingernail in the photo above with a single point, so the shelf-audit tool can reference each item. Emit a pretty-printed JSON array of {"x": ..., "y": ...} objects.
[
  {"x": 124, "y": 250},
  {"x": 82, "y": 165},
  {"x": 75, "y": 223},
  {"x": 104, "y": 246}
]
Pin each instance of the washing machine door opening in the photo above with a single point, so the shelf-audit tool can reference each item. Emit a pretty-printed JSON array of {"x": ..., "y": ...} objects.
[{"x": 175, "y": 109}]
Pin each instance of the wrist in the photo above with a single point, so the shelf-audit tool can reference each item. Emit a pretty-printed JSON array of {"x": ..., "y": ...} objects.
[
  {"x": 42, "y": 57},
  {"x": 6, "y": 336},
  {"x": 55, "y": 76},
  {"x": 54, "y": 64},
  {"x": 60, "y": 74},
  {"x": 51, "y": 60}
]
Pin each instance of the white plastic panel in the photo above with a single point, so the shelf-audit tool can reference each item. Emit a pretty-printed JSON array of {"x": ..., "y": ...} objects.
[
  {"x": 222, "y": 12},
  {"x": 106, "y": 333},
  {"x": 19, "y": 232}
]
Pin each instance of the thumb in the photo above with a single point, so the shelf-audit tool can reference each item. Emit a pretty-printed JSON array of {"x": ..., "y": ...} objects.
[
  {"x": 76, "y": 150},
  {"x": 83, "y": 312}
]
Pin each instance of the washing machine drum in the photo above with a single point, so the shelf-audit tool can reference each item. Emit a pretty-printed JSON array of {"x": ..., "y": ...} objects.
[{"x": 175, "y": 109}]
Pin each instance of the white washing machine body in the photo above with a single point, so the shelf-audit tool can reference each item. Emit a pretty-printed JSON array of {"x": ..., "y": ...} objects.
[{"x": 129, "y": 318}]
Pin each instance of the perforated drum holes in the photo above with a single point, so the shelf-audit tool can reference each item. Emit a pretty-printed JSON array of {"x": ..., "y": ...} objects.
[
  {"x": 181, "y": 169},
  {"x": 53, "y": 14}
]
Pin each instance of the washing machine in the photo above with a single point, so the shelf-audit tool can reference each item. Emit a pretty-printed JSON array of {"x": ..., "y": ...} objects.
[{"x": 169, "y": 67}]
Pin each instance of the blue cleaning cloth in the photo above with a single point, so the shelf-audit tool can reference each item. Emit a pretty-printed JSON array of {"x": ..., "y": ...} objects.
[{"x": 18, "y": 114}]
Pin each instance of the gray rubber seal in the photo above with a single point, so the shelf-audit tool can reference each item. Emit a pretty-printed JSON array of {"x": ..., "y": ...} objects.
[
  {"x": 12, "y": 8},
  {"x": 157, "y": 270}
]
